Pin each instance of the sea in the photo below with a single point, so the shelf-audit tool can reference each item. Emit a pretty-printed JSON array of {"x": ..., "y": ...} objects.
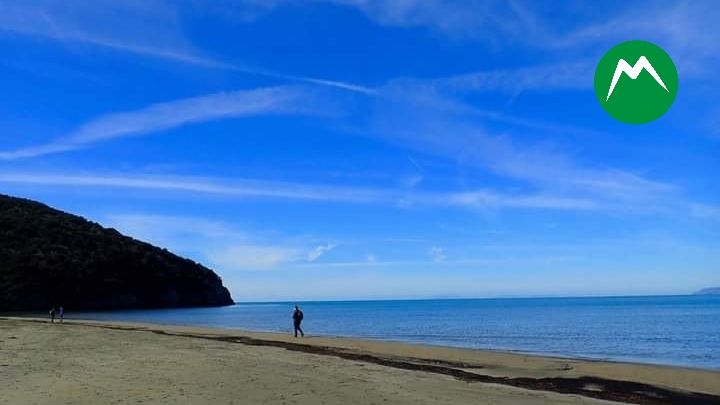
[{"x": 670, "y": 330}]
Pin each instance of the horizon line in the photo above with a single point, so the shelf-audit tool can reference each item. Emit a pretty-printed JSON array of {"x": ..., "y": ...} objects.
[{"x": 472, "y": 298}]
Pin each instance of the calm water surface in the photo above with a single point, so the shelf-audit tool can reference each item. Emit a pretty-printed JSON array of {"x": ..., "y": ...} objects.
[{"x": 678, "y": 330}]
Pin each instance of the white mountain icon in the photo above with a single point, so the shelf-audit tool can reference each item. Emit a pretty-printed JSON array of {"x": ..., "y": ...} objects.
[{"x": 634, "y": 71}]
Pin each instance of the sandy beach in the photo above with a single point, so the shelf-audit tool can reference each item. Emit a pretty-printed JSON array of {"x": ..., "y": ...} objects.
[{"x": 84, "y": 362}]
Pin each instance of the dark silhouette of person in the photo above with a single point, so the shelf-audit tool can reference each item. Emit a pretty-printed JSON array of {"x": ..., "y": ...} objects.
[
  {"x": 297, "y": 320},
  {"x": 52, "y": 315},
  {"x": 61, "y": 313}
]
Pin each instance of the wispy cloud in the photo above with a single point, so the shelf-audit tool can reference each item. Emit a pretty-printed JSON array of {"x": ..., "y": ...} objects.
[
  {"x": 233, "y": 188},
  {"x": 566, "y": 75},
  {"x": 483, "y": 19},
  {"x": 687, "y": 27},
  {"x": 150, "y": 29},
  {"x": 705, "y": 211},
  {"x": 489, "y": 199},
  {"x": 417, "y": 114},
  {"x": 280, "y": 100},
  {"x": 476, "y": 19},
  {"x": 423, "y": 124},
  {"x": 180, "y": 233},
  {"x": 435, "y": 129},
  {"x": 244, "y": 257},
  {"x": 443, "y": 95},
  {"x": 437, "y": 254},
  {"x": 320, "y": 250},
  {"x": 219, "y": 244},
  {"x": 171, "y": 114},
  {"x": 476, "y": 199},
  {"x": 436, "y": 262}
]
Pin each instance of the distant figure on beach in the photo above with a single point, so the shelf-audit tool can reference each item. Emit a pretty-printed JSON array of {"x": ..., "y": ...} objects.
[
  {"x": 52, "y": 315},
  {"x": 61, "y": 313},
  {"x": 297, "y": 320}
]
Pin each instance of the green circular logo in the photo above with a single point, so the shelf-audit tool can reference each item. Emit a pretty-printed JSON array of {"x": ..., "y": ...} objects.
[{"x": 636, "y": 82}]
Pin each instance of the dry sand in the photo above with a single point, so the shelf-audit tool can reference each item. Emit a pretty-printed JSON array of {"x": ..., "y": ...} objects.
[{"x": 84, "y": 362}]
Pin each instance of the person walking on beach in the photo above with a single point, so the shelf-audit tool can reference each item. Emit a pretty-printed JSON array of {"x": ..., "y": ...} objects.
[
  {"x": 61, "y": 313},
  {"x": 52, "y": 315},
  {"x": 297, "y": 320}
]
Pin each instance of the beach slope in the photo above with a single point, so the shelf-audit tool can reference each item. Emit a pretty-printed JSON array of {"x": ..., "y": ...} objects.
[{"x": 83, "y": 362}]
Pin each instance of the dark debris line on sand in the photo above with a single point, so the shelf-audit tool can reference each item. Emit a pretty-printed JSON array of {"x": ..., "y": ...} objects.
[
  {"x": 612, "y": 390},
  {"x": 593, "y": 387}
]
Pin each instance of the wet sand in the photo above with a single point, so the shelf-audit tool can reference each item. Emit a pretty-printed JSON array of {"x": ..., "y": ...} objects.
[{"x": 86, "y": 362}]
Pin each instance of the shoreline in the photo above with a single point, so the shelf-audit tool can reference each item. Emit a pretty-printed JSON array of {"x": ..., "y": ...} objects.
[
  {"x": 597, "y": 379},
  {"x": 508, "y": 351},
  {"x": 34, "y": 316}
]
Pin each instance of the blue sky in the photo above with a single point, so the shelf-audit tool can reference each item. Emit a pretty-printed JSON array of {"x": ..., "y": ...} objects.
[{"x": 371, "y": 149}]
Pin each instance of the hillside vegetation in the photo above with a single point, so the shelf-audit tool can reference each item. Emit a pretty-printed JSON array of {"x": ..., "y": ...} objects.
[{"x": 48, "y": 257}]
